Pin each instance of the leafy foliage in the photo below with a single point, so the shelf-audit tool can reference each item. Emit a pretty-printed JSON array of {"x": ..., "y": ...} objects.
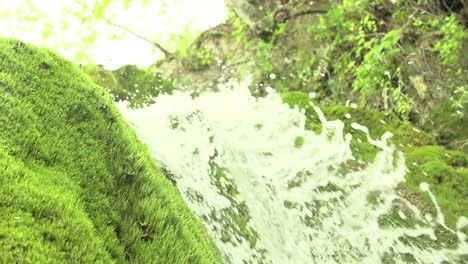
[
  {"x": 265, "y": 47},
  {"x": 370, "y": 53},
  {"x": 449, "y": 45}
]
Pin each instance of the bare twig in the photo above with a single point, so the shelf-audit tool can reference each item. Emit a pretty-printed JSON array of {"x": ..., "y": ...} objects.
[
  {"x": 236, "y": 63},
  {"x": 309, "y": 12},
  {"x": 157, "y": 45},
  {"x": 110, "y": 22}
]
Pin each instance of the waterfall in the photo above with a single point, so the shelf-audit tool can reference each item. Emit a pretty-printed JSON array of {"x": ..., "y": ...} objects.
[{"x": 266, "y": 199}]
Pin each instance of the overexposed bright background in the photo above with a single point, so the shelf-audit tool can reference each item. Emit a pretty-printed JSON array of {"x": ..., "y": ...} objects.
[{"x": 54, "y": 24}]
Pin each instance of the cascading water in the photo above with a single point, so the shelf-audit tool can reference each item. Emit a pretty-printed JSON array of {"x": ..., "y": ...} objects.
[{"x": 265, "y": 199}]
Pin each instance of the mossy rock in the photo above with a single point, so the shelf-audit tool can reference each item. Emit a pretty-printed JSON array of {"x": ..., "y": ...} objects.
[
  {"x": 129, "y": 83},
  {"x": 444, "y": 170},
  {"x": 449, "y": 126},
  {"x": 76, "y": 185},
  {"x": 404, "y": 134}
]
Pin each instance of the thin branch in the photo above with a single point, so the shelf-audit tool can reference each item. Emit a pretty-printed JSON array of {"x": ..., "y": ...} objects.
[
  {"x": 375, "y": 34},
  {"x": 161, "y": 48},
  {"x": 236, "y": 63},
  {"x": 110, "y": 22},
  {"x": 309, "y": 12}
]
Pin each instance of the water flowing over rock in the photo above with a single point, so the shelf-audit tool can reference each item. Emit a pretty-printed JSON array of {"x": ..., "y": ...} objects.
[{"x": 268, "y": 199}]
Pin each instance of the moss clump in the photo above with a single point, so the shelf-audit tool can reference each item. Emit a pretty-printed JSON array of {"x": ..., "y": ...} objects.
[
  {"x": 302, "y": 102},
  {"x": 447, "y": 175},
  {"x": 76, "y": 185},
  {"x": 234, "y": 220},
  {"x": 405, "y": 134},
  {"x": 449, "y": 125}
]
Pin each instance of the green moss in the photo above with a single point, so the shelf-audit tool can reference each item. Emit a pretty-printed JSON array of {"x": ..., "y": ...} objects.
[
  {"x": 298, "y": 142},
  {"x": 234, "y": 220},
  {"x": 447, "y": 175},
  {"x": 198, "y": 59},
  {"x": 129, "y": 83},
  {"x": 449, "y": 125},
  {"x": 76, "y": 185},
  {"x": 427, "y": 153},
  {"x": 404, "y": 133},
  {"x": 302, "y": 101}
]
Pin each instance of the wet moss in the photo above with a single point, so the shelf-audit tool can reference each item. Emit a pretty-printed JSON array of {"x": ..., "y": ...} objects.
[
  {"x": 129, "y": 83},
  {"x": 76, "y": 185},
  {"x": 447, "y": 175},
  {"x": 444, "y": 170},
  {"x": 404, "y": 134},
  {"x": 235, "y": 219},
  {"x": 450, "y": 125}
]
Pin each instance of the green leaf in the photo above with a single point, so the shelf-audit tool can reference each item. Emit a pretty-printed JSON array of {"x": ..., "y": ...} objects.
[
  {"x": 126, "y": 4},
  {"x": 100, "y": 8}
]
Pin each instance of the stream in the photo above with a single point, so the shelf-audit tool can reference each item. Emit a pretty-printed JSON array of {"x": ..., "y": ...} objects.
[{"x": 266, "y": 199}]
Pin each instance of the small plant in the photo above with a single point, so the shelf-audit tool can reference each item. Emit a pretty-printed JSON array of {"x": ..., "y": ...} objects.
[
  {"x": 375, "y": 74},
  {"x": 199, "y": 59},
  {"x": 450, "y": 44},
  {"x": 239, "y": 29},
  {"x": 367, "y": 58},
  {"x": 204, "y": 56},
  {"x": 185, "y": 42},
  {"x": 460, "y": 99},
  {"x": 265, "y": 48}
]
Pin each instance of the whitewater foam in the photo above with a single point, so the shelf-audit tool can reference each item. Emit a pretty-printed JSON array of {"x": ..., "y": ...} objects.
[{"x": 266, "y": 200}]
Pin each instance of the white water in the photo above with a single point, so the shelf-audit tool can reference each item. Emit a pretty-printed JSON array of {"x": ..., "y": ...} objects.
[{"x": 324, "y": 218}]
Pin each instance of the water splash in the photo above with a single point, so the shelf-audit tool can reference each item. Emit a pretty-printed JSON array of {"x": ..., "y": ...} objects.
[{"x": 265, "y": 199}]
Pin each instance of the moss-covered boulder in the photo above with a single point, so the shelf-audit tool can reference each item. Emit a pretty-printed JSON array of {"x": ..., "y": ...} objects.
[
  {"x": 446, "y": 171},
  {"x": 129, "y": 83},
  {"x": 76, "y": 185}
]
